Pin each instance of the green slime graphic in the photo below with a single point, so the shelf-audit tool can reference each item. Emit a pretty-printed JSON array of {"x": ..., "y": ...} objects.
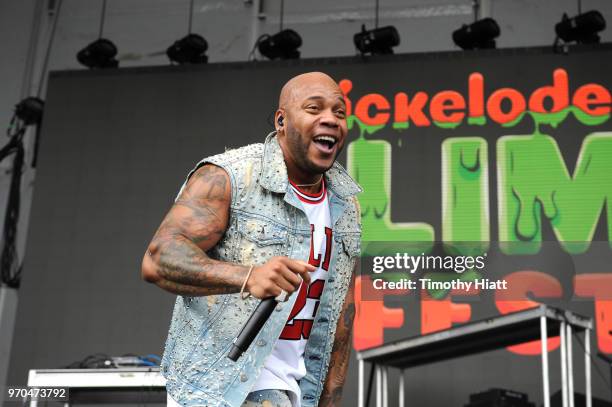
[
  {"x": 477, "y": 121},
  {"x": 465, "y": 195},
  {"x": 465, "y": 204},
  {"x": 369, "y": 163},
  {"x": 447, "y": 125},
  {"x": 533, "y": 179},
  {"x": 554, "y": 119}
]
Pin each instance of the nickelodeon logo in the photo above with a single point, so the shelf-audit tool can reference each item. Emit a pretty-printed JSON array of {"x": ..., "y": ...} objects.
[{"x": 504, "y": 106}]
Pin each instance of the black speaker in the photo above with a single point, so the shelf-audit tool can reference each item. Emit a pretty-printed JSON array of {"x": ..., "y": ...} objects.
[{"x": 499, "y": 398}]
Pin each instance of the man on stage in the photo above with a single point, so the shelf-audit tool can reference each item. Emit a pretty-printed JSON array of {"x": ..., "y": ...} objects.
[{"x": 278, "y": 219}]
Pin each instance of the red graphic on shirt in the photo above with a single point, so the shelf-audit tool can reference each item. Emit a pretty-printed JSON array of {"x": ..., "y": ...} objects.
[
  {"x": 297, "y": 329},
  {"x": 328, "y": 241}
]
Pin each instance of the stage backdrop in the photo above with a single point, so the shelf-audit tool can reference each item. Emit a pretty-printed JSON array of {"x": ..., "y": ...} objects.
[{"x": 507, "y": 146}]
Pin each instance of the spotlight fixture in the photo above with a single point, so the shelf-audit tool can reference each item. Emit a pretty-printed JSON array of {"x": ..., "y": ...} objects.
[
  {"x": 188, "y": 50},
  {"x": 377, "y": 41},
  {"x": 480, "y": 34},
  {"x": 282, "y": 45},
  {"x": 99, "y": 54},
  {"x": 30, "y": 110},
  {"x": 582, "y": 28}
]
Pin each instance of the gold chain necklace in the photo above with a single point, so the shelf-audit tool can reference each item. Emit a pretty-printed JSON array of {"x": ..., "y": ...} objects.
[{"x": 310, "y": 185}]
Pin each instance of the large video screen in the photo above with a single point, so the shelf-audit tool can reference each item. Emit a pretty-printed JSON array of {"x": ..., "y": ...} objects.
[{"x": 502, "y": 155}]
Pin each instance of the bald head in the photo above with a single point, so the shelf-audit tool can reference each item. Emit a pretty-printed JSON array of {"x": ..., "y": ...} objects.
[
  {"x": 311, "y": 125},
  {"x": 297, "y": 85}
]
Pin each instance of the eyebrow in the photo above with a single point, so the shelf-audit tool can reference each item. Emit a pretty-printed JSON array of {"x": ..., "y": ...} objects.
[{"x": 316, "y": 97}]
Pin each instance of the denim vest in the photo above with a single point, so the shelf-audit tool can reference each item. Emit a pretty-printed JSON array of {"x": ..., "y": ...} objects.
[{"x": 266, "y": 219}]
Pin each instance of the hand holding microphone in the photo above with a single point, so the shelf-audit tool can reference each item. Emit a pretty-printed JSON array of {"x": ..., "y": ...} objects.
[
  {"x": 273, "y": 282},
  {"x": 277, "y": 275}
]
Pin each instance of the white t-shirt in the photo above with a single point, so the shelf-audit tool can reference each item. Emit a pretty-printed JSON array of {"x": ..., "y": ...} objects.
[{"x": 285, "y": 365}]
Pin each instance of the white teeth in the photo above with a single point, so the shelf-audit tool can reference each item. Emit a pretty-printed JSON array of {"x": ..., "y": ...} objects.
[{"x": 326, "y": 138}]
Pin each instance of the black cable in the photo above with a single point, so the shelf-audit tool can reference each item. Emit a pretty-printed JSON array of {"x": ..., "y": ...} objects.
[
  {"x": 282, "y": 14},
  {"x": 95, "y": 361},
  {"x": 102, "y": 18},
  {"x": 591, "y": 358},
  {"x": 36, "y": 144},
  {"x": 190, "y": 16},
  {"x": 45, "y": 64},
  {"x": 10, "y": 269},
  {"x": 376, "y": 15},
  {"x": 367, "y": 399}
]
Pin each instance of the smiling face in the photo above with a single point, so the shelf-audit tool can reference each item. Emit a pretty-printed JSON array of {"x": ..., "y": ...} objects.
[{"x": 313, "y": 129}]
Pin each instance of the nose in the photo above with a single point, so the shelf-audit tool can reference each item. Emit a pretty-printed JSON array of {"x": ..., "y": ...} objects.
[{"x": 329, "y": 119}]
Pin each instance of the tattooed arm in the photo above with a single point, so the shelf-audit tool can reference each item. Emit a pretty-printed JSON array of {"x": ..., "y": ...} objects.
[
  {"x": 341, "y": 351},
  {"x": 176, "y": 258}
]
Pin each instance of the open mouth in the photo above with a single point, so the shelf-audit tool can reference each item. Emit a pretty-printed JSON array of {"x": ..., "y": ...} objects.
[{"x": 325, "y": 143}]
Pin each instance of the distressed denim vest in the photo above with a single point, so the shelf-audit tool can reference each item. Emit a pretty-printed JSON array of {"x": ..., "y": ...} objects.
[{"x": 266, "y": 220}]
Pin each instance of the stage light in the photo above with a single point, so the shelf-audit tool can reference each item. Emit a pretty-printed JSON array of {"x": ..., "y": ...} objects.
[
  {"x": 377, "y": 41},
  {"x": 188, "y": 50},
  {"x": 583, "y": 28},
  {"x": 478, "y": 35},
  {"x": 282, "y": 45},
  {"x": 30, "y": 110},
  {"x": 99, "y": 54}
]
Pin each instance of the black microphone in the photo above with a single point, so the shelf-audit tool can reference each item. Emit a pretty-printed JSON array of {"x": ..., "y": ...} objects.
[{"x": 252, "y": 327}]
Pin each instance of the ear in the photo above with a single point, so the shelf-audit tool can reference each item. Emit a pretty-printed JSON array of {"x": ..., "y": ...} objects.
[{"x": 279, "y": 125}]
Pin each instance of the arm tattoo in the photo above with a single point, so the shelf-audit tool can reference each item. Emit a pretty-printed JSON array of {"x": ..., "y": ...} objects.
[
  {"x": 196, "y": 222},
  {"x": 340, "y": 357},
  {"x": 331, "y": 398},
  {"x": 182, "y": 262}
]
